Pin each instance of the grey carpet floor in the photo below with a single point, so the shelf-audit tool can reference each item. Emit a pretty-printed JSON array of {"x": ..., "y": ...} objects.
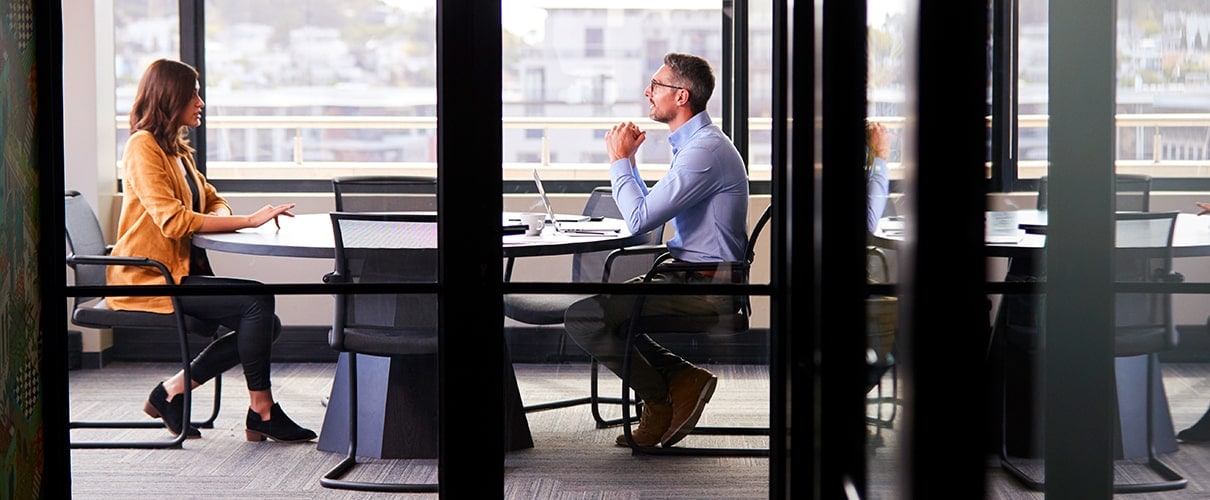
[{"x": 571, "y": 459}]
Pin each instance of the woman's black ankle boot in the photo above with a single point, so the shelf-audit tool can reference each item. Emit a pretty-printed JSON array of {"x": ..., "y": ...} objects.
[
  {"x": 1199, "y": 433},
  {"x": 158, "y": 406},
  {"x": 279, "y": 427}
]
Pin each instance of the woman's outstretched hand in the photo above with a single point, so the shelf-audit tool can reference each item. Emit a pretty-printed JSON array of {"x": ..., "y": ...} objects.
[
  {"x": 1204, "y": 206},
  {"x": 263, "y": 215}
]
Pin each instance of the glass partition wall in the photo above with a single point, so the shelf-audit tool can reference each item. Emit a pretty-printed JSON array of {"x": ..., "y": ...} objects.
[
  {"x": 294, "y": 98},
  {"x": 297, "y": 97}
]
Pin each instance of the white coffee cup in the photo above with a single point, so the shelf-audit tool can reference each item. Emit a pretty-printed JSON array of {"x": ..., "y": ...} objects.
[{"x": 533, "y": 223}]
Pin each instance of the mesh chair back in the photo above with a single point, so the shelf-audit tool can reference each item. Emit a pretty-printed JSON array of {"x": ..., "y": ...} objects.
[
  {"x": 385, "y": 248},
  {"x": 385, "y": 193},
  {"x": 1133, "y": 192},
  {"x": 84, "y": 237},
  {"x": 1143, "y": 321},
  {"x": 1143, "y": 254},
  {"x": 588, "y": 266}
]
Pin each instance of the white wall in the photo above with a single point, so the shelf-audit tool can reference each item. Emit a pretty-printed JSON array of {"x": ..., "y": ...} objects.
[{"x": 88, "y": 110}]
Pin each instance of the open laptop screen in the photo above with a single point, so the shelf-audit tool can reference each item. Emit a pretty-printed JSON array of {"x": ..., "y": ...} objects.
[{"x": 562, "y": 226}]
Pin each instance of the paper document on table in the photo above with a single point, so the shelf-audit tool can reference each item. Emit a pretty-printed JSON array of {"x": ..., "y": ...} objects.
[
  {"x": 1001, "y": 227},
  {"x": 589, "y": 233},
  {"x": 1004, "y": 238},
  {"x": 892, "y": 227}
]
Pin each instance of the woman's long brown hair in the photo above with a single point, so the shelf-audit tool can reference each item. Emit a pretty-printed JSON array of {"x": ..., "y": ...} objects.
[{"x": 164, "y": 91}]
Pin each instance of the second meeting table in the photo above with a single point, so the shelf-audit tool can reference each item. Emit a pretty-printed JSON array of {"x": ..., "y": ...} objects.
[
  {"x": 1007, "y": 237},
  {"x": 381, "y": 435}
]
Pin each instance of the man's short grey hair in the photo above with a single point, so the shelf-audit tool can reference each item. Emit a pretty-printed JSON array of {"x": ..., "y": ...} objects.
[{"x": 695, "y": 75}]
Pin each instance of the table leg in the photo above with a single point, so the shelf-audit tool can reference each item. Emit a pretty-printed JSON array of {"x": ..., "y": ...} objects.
[
  {"x": 1025, "y": 421},
  {"x": 397, "y": 408},
  {"x": 1131, "y": 441}
]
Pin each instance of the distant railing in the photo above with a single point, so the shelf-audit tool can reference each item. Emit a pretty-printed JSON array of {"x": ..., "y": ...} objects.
[
  {"x": 1150, "y": 161},
  {"x": 1148, "y": 127},
  {"x": 294, "y": 128}
]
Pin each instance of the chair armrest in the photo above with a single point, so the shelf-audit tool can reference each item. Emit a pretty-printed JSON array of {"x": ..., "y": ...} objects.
[
  {"x": 634, "y": 250},
  {"x": 110, "y": 260},
  {"x": 880, "y": 254},
  {"x": 739, "y": 273},
  {"x": 667, "y": 264},
  {"x": 1167, "y": 276}
]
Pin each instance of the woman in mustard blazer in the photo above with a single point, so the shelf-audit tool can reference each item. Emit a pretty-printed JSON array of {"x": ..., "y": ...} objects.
[{"x": 165, "y": 201}]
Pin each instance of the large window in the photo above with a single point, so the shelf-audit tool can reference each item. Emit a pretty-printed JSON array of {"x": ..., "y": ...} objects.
[
  {"x": 310, "y": 89},
  {"x": 1163, "y": 81},
  {"x": 144, "y": 31},
  {"x": 886, "y": 73},
  {"x": 592, "y": 61},
  {"x": 314, "y": 88},
  {"x": 304, "y": 89}
]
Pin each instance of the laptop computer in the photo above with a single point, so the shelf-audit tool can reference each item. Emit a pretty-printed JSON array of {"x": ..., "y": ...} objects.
[{"x": 583, "y": 227}]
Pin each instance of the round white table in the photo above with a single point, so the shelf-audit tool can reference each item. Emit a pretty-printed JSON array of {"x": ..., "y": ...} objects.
[{"x": 310, "y": 236}]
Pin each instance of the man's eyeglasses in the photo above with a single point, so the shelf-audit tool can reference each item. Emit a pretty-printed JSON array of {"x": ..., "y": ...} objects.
[{"x": 654, "y": 83}]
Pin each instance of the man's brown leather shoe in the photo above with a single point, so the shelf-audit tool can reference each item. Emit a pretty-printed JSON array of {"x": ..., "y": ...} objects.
[
  {"x": 653, "y": 422},
  {"x": 690, "y": 389}
]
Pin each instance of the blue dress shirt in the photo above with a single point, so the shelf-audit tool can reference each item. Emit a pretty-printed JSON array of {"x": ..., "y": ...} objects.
[
  {"x": 704, "y": 194},
  {"x": 877, "y": 188}
]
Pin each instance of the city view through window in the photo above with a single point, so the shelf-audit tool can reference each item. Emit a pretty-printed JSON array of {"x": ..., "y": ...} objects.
[
  {"x": 314, "y": 88},
  {"x": 1163, "y": 89}
]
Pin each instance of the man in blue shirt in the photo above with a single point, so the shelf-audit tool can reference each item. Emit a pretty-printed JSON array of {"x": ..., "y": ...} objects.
[
  {"x": 877, "y": 174},
  {"x": 704, "y": 197}
]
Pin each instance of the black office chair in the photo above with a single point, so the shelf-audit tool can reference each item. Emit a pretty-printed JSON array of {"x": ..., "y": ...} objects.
[
  {"x": 549, "y": 309},
  {"x": 882, "y": 321},
  {"x": 1133, "y": 192},
  {"x": 88, "y": 256},
  {"x": 384, "y": 193},
  {"x": 734, "y": 323},
  {"x": 1143, "y": 327},
  {"x": 393, "y": 324}
]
